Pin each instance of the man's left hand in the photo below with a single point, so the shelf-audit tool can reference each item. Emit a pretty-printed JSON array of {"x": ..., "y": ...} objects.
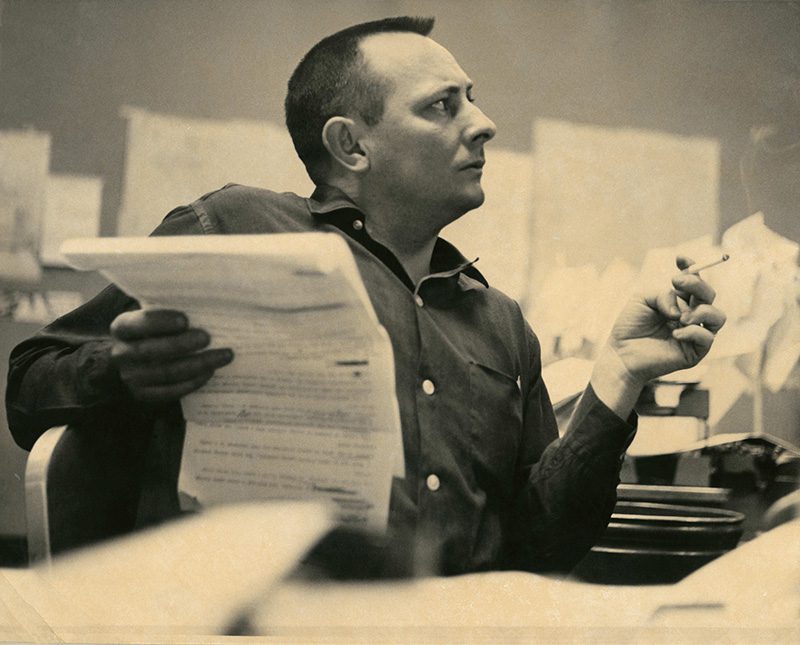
[
  {"x": 656, "y": 334},
  {"x": 667, "y": 331}
]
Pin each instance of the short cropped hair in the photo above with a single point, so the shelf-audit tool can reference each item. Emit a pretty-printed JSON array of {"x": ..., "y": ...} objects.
[{"x": 331, "y": 80}]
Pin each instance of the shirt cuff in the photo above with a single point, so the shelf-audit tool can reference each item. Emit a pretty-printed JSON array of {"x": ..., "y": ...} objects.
[
  {"x": 98, "y": 381},
  {"x": 595, "y": 427}
]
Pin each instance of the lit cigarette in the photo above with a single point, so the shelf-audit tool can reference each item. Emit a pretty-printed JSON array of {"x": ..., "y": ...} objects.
[{"x": 697, "y": 269}]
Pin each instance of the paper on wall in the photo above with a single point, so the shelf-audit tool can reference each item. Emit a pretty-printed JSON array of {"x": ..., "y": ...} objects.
[
  {"x": 308, "y": 407},
  {"x": 173, "y": 160},
  {"x": 760, "y": 296},
  {"x": 614, "y": 288},
  {"x": 41, "y": 307},
  {"x": 559, "y": 313},
  {"x": 72, "y": 210},
  {"x": 566, "y": 379},
  {"x": 499, "y": 231},
  {"x": 24, "y": 162},
  {"x": 602, "y": 193},
  {"x": 576, "y": 305},
  {"x": 726, "y": 384},
  {"x": 658, "y": 265},
  {"x": 783, "y": 347}
]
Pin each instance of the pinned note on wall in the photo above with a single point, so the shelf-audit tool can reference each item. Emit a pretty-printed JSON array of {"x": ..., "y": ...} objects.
[
  {"x": 72, "y": 209},
  {"x": 173, "y": 160},
  {"x": 499, "y": 231},
  {"x": 24, "y": 162},
  {"x": 602, "y": 193}
]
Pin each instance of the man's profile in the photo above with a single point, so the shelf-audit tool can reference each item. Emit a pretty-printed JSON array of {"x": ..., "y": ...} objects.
[{"x": 385, "y": 121}]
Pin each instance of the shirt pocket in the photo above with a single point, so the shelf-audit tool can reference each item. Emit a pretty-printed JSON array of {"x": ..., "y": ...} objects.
[{"x": 495, "y": 423}]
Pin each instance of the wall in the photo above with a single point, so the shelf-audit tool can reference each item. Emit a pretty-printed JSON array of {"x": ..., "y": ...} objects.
[{"x": 698, "y": 68}]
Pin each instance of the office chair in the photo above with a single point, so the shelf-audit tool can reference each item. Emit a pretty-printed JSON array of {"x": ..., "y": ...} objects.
[{"x": 82, "y": 485}]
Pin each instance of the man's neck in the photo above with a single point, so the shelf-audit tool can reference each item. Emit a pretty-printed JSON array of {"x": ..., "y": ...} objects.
[
  {"x": 400, "y": 229},
  {"x": 397, "y": 233},
  {"x": 417, "y": 264}
]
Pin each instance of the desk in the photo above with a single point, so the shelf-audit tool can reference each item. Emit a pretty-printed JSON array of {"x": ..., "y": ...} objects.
[
  {"x": 151, "y": 588},
  {"x": 729, "y": 599},
  {"x": 182, "y": 579}
]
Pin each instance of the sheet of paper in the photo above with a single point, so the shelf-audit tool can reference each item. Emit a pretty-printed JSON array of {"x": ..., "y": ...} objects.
[
  {"x": 577, "y": 305},
  {"x": 19, "y": 268},
  {"x": 72, "y": 209},
  {"x": 613, "y": 290},
  {"x": 768, "y": 262},
  {"x": 665, "y": 435},
  {"x": 566, "y": 379},
  {"x": 558, "y": 312},
  {"x": 755, "y": 589},
  {"x": 725, "y": 384},
  {"x": 308, "y": 407},
  {"x": 602, "y": 192},
  {"x": 24, "y": 161},
  {"x": 180, "y": 582},
  {"x": 740, "y": 597},
  {"x": 783, "y": 347},
  {"x": 172, "y": 160}
]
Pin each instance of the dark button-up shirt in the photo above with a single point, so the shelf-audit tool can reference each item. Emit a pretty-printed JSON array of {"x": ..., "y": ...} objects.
[{"x": 488, "y": 483}]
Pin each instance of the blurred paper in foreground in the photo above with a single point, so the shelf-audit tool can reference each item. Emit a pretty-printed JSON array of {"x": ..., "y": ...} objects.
[{"x": 180, "y": 581}]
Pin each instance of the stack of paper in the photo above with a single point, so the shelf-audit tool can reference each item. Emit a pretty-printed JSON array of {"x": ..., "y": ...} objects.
[{"x": 308, "y": 407}]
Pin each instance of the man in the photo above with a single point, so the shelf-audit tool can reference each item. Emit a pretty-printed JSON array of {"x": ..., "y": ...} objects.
[{"x": 384, "y": 119}]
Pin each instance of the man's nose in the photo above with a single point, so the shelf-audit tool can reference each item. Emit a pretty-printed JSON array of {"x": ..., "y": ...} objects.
[{"x": 481, "y": 127}]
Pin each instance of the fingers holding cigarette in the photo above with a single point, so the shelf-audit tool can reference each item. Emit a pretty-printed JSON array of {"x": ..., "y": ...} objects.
[
  {"x": 705, "y": 316},
  {"x": 697, "y": 268},
  {"x": 693, "y": 297}
]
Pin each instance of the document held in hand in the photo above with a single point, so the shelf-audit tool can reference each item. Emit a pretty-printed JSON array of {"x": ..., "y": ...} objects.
[{"x": 307, "y": 408}]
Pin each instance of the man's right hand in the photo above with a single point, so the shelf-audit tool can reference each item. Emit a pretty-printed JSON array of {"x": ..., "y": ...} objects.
[{"x": 159, "y": 357}]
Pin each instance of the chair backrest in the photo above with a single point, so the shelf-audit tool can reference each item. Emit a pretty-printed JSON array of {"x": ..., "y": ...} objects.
[{"x": 81, "y": 485}]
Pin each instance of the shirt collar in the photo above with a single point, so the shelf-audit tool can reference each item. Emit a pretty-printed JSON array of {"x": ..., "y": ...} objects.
[
  {"x": 328, "y": 199},
  {"x": 447, "y": 258},
  {"x": 333, "y": 206}
]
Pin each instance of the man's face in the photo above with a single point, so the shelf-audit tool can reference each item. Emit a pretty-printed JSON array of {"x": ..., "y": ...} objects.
[{"x": 427, "y": 150}]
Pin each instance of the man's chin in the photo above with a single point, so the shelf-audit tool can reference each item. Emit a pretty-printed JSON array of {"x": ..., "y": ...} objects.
[
  {"x": 474, "y": 199},
  {"x": 464, "y": 205}
]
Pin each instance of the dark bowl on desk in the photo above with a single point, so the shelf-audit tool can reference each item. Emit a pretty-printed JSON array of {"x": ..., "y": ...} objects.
[
  {"x": 674, "y": 526},
  {"x": 654, "y": 543}
]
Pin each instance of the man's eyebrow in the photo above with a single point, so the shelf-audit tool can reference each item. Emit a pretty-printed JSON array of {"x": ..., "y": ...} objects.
[{"x": 449, "y": 88}]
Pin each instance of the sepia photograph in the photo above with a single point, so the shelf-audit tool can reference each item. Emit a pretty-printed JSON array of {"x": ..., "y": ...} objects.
[{"x": 400, "y": 321}]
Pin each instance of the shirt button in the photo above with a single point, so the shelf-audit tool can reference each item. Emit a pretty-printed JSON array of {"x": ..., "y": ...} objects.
[
  {"x": 428, "y": 387},
  {"x": 433, "y": 483},
  {"x": 418, "y": 299},
  {"x": 358, "y": 224}
]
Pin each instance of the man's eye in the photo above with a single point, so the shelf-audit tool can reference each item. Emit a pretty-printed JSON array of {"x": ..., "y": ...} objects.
[{"x": 441, "y": 105}]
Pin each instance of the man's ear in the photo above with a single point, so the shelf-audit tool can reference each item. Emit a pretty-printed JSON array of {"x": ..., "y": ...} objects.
[{"x": 341, "y": 136}]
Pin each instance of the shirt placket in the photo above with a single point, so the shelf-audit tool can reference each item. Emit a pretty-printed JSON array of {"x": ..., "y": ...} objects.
[{"x": 442, "y": 402}]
